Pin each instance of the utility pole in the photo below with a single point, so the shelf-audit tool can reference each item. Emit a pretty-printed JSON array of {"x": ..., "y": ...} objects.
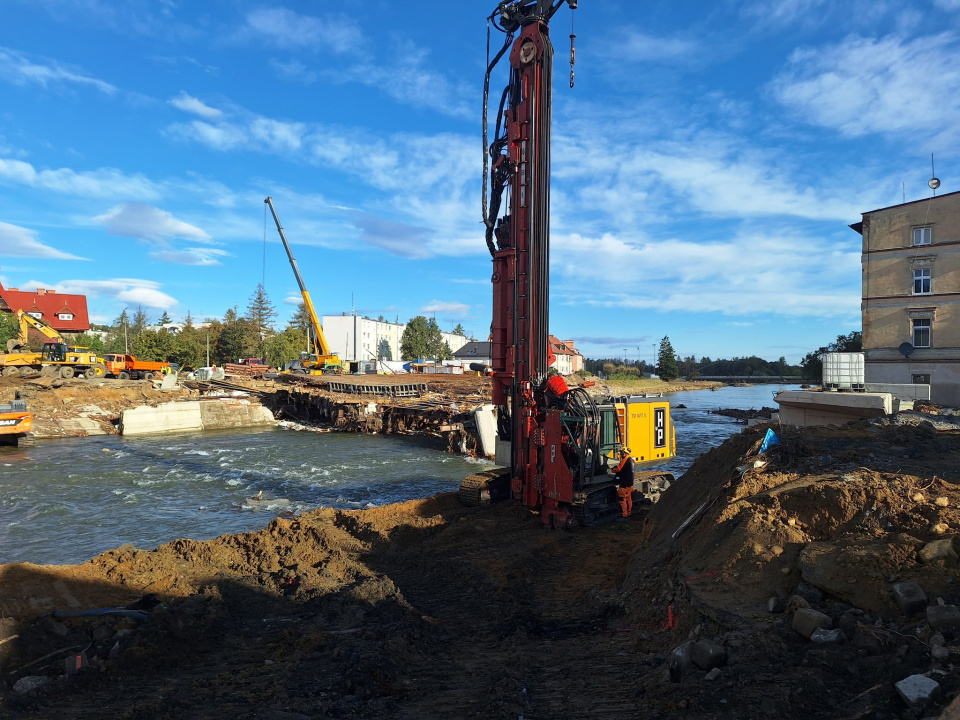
[{"x": 126, "y": 350}]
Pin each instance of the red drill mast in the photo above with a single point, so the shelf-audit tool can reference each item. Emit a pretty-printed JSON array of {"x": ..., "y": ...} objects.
[{"x": 543, "y": 471}]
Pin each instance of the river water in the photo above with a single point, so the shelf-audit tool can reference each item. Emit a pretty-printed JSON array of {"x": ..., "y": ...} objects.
[{"x": 64, "y": 501}]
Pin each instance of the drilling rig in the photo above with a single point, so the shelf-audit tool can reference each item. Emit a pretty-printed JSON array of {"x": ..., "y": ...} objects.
[{"x": 558, "y": 451}]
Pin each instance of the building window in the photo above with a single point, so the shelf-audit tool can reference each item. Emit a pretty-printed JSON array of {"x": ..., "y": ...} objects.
[
  {"x": 921, "y": 333},
  {"x": 65, "y": 316},
  {"x": 922, "y": 235},
  {"x": 921, "y": 281},
  {"x": 921, "y": 379},
  {"x": 36, "y": 315}
]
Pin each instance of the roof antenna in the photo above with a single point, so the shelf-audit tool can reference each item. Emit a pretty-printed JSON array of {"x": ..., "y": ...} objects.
[
  {"x": 903, "y": 189},
  {"x": 934, "y": 182}
]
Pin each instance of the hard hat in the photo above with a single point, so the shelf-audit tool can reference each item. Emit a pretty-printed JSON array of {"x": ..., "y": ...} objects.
[{"x": 626, "y": 451}]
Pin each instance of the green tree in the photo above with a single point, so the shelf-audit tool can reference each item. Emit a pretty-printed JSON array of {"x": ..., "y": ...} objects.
[
  {"x": 8, "y": 329},
  {"x": 384, "y": 351},
  {"x": 439, "y": 348},
  {"x": 284, "y": 347},
  {"x": 458, "y": 330},
  {"x": 140, "y": 321},
  {"x": 86, "y": 340},
  {"x": 416, "y": 341},
  {"x": 164, "y": 319},
  {"x": 154, "y": 346},
  {"x": 301, "y": 319},
  {"x": 667, "y": 367},
  {"x": 260, "y": 316},
  {"x": 231, "y": 339},
  {"x": 190, "y": 347},
  {"x": 118, "y": 339}
]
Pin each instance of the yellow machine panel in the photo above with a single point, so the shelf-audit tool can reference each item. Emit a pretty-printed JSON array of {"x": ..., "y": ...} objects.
[{"x": 647, "y": 429}]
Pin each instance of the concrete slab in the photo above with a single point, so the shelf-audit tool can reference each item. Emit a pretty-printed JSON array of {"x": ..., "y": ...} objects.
[
  {"x": 805, "y": 408},
  {"x": 169, "y": 417}
]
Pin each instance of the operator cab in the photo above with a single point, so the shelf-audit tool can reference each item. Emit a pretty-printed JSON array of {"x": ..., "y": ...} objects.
[{"x": 54, "y": 352}]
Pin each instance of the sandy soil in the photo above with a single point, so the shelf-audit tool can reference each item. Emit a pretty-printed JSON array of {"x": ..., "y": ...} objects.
[{"x": 430, "y": 609}]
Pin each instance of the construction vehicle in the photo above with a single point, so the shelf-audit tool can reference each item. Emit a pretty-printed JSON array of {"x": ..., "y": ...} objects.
[
  {"x": 559, "y": 450},
  {"x": 321, "y": 360},
  {"x": 54, "y": 358},
  {"x": 127, "y": 367},
  {"x": 15, "y": 424}
]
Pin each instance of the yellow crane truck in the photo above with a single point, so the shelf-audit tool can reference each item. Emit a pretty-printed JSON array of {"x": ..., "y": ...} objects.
[{"x": 54, "y": 358}]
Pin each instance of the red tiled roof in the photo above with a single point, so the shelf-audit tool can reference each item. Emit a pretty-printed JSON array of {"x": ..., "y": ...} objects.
[
  {"x": 50, "y": 304},
  {"x": 562, "y": 347}
]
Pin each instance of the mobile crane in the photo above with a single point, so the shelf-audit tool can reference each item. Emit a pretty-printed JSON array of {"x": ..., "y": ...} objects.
[
  {"x": 321, "y": 360},
  {"x": 55, "y": 356},
  {"x": 558, "y": 452}
]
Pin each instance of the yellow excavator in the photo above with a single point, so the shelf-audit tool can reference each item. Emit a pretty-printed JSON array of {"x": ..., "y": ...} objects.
[
  {"x": 321, "y": 360},
  {"x": 54, "y": 358}
]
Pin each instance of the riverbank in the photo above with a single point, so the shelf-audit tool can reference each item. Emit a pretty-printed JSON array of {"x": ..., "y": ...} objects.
[{"x": 429, "y": 609}]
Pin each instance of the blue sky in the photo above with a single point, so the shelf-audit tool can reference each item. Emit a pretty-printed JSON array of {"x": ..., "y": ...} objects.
[{"x": 706, "y": 165}]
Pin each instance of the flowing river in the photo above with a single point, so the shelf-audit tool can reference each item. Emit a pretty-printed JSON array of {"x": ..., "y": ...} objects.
[{"x": 64, "y": 501}]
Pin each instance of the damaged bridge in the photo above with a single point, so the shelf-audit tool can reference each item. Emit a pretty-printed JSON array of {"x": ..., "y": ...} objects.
[{"x": 447, "y": 408}]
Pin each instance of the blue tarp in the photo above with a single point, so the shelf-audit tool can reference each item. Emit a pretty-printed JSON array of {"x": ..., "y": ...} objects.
[{"x": 769, "y": 440}]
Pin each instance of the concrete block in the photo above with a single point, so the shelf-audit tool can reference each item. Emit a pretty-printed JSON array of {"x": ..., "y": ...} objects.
[
  {"x": 232, "y": 413},
  {"x": 910, "y": 597},
  {"x": 806, "y": 620},
  {"x": 917, "y": 689},
  {"x": 900, "y": 391},
  {"x": 485, "y": 418},
  {"x": 708, "y": 654},
  {"x": 169, "y": 417},
  {"x": 805, "y": 407},
  {"x": 938, "y": 550},
  {"x": 824, "y": 636},
  {"x": 681, "y": 660},
  {"x": 943, "y": 617}
]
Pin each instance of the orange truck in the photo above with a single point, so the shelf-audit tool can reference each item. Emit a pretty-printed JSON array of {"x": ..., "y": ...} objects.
[
  {"x": 127, "y": 367},
  {"x": 15, "y": 424}
]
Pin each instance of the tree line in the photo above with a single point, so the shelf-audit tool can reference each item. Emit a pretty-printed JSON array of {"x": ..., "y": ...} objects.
[
  {"x": 670, "y": 366},
  {"x": 251, "y": 333}
]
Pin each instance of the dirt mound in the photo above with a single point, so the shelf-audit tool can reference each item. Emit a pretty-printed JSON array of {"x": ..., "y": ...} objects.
[{"x": 430, "y": 609}]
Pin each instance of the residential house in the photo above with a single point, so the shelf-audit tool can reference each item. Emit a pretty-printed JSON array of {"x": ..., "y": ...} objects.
[
  {"x": 911, "y": 295},
  {"x": 474, "y": 352},
  {"x": 61, "y": 311},
  {"x": 568, "y": 358}
]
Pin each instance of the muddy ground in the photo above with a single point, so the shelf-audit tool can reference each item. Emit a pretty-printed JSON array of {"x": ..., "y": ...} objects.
[{"x": 430, "y": 609}]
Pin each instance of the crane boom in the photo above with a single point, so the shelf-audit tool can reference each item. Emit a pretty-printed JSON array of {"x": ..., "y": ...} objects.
[{"x": 321, "y": 348}]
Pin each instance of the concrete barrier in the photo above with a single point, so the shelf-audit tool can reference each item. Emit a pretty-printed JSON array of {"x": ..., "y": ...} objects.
[
  {"x": 485, "y": 417},
  {"x": 804, "y": 408},
  {"x": 194, "y": 415}
]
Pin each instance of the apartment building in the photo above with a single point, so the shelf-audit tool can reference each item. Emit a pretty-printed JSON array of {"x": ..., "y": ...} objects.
[
  {"x": 354, "y": 337},
  {"x": 568, "y": 358},
  {"x": 911, "y": 295}
]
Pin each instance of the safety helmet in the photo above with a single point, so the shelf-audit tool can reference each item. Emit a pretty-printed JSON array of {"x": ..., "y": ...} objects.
[{"x": 626, "y": 451}]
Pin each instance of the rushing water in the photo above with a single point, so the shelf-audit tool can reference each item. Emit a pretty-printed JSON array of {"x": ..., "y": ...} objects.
[{"x": 64, "y": 501}]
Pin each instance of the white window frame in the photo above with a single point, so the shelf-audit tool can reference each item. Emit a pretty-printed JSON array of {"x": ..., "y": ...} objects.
[
  {"x": 922, "y": 327},
  {"x": 923, "y": 235},
  {"x": 922, "y": 277},
  {"x": 65, "y": 316},
  {"x": 36, "y": 315}
]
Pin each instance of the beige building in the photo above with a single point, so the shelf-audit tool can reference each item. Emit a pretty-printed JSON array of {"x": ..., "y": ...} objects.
[
  {"x": 568, "y": 358},
  {"x": 911, "y": 295}
]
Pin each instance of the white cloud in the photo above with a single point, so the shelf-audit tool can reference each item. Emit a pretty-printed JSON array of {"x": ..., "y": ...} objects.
[
  {"x": 16, "y": 241},
  {"x": 291, "y": 30},
  {"x": 410, "y": 78},
  {"x": 947, "y": 4},
  {"x": 102, "y": 183},
  {"x": 201, "y": 256},
  {"x": 130, "y": 291},
  {"x": 190, "y": 104},
  {"x": 294, "y": 70},
  {"x": 783, "y": 12},
  {"x": 770, "y": 271},
  {"x": 455, "y": 309},
  {"x": 635, "y": 46},
  {"x": 145, "y": 222},
  {"x": 16, "y": 68},
  {"x": 867, "y": 85}
]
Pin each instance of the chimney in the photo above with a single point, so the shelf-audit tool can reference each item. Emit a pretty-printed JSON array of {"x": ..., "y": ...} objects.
[
  {"x": 569, "y": 343},
  {"x": 41, "y": 291}
]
